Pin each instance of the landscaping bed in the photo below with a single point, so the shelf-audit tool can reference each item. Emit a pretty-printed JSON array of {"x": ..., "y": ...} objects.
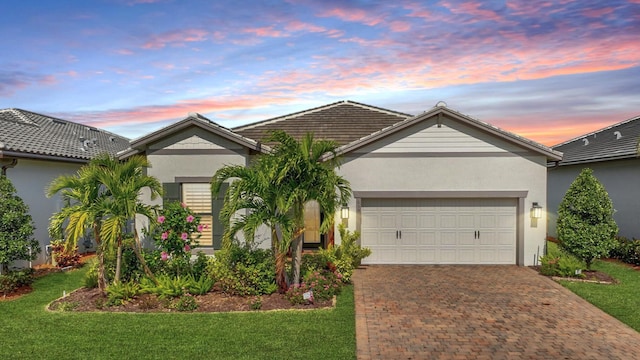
[{"x": 85, "y": 299}]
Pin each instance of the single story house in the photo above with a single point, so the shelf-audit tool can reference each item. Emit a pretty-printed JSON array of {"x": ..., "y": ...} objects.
[
  {"x": 437, "y": 188},
  {"x": 35, "y": 149},
  {"x": 612, "y": 154}
]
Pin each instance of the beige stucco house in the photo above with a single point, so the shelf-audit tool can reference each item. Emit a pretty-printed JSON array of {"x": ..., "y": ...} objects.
[{"x": 436, "y": 188}]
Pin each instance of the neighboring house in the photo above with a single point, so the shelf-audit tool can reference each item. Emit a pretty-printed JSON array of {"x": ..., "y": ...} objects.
[
  {"x": 35, "y": 149},
  {"x": 436, "y": 188},
  {"x": 612, "y": 153}
]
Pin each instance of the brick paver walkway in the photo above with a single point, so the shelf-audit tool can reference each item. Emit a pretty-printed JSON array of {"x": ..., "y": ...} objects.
[{"x": 480, "y": 312}]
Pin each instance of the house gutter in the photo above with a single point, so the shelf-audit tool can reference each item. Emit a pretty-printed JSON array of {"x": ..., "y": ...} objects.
[
  {"x": 13, "y": 163},
  {"x": 13, "y": 154}
]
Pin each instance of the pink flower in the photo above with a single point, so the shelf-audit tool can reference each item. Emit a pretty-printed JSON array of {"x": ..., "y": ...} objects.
[
  {"x": 164, "y": 235},
  {"x": 190, "y": 218},
  {"x": 200, "y": 228},
  {"x": 183, "y": 205},
  {"x": 161, "y": 219},
  {"x": 187, "y": 248},
  {"x": 164, "y": 256},
  {"x": 184, "y": 236}
]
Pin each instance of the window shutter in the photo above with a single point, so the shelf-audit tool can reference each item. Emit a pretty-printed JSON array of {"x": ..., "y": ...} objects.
[
  {"x": 216, "y": 206},
  {"x": 170, "y": 192}
]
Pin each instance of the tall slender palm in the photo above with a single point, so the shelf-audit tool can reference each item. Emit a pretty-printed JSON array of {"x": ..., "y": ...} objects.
[
  {"x": 81, "y": 193},
  {"x": 124, "y": 181},
  {"x": 308, "y": 168}
]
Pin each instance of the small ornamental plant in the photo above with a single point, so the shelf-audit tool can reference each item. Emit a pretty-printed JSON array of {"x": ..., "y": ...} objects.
[{"x": 178, "y": 231}]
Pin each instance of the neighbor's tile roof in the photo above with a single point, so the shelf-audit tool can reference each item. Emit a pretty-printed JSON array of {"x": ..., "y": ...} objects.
[
  {"x": 618, "y": 141},
  {"x": 30, "y": 135},
  {"x": 342, "y": 122}
]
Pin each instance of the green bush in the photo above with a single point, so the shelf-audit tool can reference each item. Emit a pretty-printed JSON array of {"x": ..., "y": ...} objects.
[
  {"x": 121, "y": 292},
  {"x": 16, "y": 227},
  {"x": 13, "y": 280},
  {"x": 346, "y": 257},
  {"x": 90, "y": 279},
  {"x": 199, "y": 286},
  {"x": 626, "y": 250},
  {"x": 167, "y": 287},
  {"x": 559, "y": 263},
  {"x": 185, "y": 303},
  {"x": 242, "y": 270},
  {"x": 586, "y": 227}
]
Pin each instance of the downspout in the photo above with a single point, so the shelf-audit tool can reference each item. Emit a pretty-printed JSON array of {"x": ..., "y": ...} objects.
[{"x": 13, "y": 164}]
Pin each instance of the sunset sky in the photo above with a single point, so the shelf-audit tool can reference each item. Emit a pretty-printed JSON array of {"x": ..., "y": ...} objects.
[{"x": 547, "y": 70}]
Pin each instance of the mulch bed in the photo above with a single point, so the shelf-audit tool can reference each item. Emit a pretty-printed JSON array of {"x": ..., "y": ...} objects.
[
  {"x": 592, "y": 276},
  {"x": 85, "y": 299}
]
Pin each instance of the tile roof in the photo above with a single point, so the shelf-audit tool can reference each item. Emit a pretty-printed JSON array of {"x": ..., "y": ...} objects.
[
  {"x": 27, "y": 134},
  {"x": 343, "y": 122},
  {"x": 618, "y": 141}
]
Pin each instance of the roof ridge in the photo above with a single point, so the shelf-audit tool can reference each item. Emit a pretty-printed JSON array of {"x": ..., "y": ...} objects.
[
  {"x": 316, "y": 109},
  {"x": 18, "y": 113},
  {"x": 637, "y": 117}
]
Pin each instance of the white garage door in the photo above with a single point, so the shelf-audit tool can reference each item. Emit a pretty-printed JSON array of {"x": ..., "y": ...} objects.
[{"x": 439, "y": 231}]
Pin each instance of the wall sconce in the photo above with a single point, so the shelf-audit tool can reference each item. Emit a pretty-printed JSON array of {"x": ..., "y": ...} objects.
[
  {"x": 536, "y": 211},
  {"x": 344, "y": 212}
]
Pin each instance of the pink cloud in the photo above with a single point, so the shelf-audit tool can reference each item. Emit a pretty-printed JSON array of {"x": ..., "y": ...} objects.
[
  {"x": 352, "y": 15},
  {"x": 124, "y": 52},
  {"x": 296, "y": 25},
  {"x": 399, "y": 26},
  {"x": 267, "y": 31},
  {"x": 176, "y": 38},
  {"x": 597, "y": 13}
]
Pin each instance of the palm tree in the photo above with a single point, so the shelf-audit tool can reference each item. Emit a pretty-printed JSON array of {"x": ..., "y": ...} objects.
[
  {"x": 308, "y": 168},
  {"x": 254, "y": 191},
  {"x": 124, "y": 181},
  {"x": 81, "y": 193},
  {"x": 275, "y": 189}
]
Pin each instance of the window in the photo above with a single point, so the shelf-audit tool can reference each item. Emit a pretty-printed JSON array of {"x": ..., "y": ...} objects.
[{"x": 197, "y": 196}]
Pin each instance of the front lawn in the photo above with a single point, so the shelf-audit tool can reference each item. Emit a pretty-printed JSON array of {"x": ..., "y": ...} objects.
[
  {"x": 619, "y": 300},
  {"x": 28, "y": 331}
]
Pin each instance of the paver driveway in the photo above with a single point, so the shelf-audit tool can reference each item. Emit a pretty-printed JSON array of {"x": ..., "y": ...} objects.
[{"x": 480, "y": 312}]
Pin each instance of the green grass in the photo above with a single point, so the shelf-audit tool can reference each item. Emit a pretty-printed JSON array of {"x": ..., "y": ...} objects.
[
  {"x": 618, "y": 300},
  {"x": 28, "y": 331}
]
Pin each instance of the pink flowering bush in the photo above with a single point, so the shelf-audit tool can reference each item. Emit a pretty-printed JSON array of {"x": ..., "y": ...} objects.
[
  {"x": 322, "y": 283},
  {"x": 178, "y": 231}
]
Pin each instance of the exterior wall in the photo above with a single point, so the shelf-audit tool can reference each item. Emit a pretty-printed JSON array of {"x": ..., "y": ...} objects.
[
  {"x": 619, "y": 179},
  {"x": 473, "y": 164},
  {"x": 193, "y": 155},
  {"x": 31, "y": 178}
]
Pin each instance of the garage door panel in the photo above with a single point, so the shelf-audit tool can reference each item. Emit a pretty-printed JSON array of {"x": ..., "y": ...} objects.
[{"x": 439, "y": 231}]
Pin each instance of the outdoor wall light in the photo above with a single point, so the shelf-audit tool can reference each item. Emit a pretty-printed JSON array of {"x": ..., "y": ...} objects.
[
  {"x": 536, "y": 211},
  {"x": 344, "y": 212}
]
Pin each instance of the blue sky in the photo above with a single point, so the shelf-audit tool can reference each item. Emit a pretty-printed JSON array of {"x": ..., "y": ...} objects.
[{"x": 548, "y": 70}]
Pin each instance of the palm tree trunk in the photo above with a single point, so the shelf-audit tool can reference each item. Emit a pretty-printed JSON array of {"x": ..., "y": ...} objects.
[
  {"x": 297, "y": 258},
  {"x": 281, "y": 276},
  {"x": 136, "y": 249},
  {"x": 118, "y": 262},
  {"x": 102, "y": 281}
]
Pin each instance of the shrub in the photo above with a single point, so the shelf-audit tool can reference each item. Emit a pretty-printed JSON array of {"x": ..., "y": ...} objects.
[
  {"x": 121, "y": 292},
  {"x": 185, "y": 303},
  {"x": 90, "y": 279},
  {"x": 324, "y": 284},
  {"x": 559, "y": 263},
  {"x": 586, "y": 227},
  {"x": 13, "y": 280},
  {"x": 199, "y": 286},
  {"x": 346, "y": 257},
  {"x": 626, "y": 250},
  {"x": 167, "y": 287},
  {"x": 295, "y": 294},
  {"x": 178, "y": 230},
  {"x": 16, "y": 227},
  {"x": 242, "y": 270}
]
